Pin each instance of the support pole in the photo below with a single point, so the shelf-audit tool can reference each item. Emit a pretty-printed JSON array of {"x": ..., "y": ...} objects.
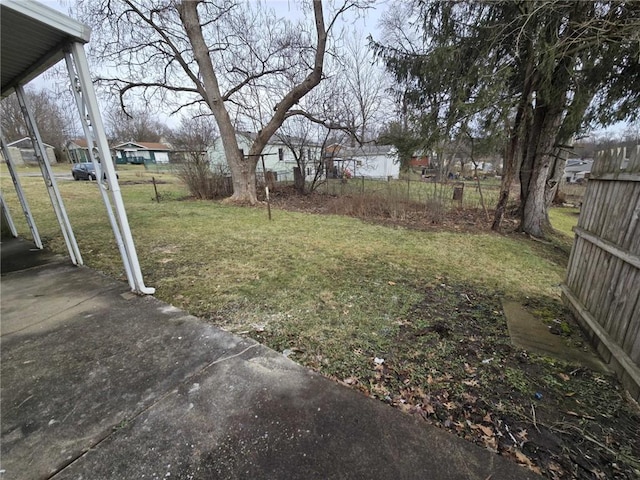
[
  {"x": 7, "y": 216},
  {"x": 21, "y": 196},
  {"x": 49, "y": 179},
  {"x": 77, "y": 95},
  {"x": 100, "y": 139}
]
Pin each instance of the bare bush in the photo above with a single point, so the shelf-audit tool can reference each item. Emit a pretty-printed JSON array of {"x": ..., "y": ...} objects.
[
  {"x": 203, "y": 182},
  {"x": 369, "y": 205}
]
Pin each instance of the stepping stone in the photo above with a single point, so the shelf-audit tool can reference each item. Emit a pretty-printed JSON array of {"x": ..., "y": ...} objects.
[{"x": 531, "y": 334}]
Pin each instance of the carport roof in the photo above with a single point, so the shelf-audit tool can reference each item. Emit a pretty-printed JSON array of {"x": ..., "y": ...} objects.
[{"x": 32, "y": 40}]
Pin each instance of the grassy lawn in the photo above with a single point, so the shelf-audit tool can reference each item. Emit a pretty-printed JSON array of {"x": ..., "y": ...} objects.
[
  {"x": 288, "y": 264},
  {"x": 564, "y": 219},
  {"x": 335, "y": 293}
]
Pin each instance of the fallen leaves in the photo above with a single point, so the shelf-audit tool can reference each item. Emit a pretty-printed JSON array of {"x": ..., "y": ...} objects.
[
  {"x": 524, "y": 460},
  {"x": 350, "y": 381},
  {"x": 435, "y": 371}
]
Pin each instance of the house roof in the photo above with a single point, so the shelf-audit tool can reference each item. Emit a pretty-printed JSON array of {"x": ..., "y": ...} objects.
[
  {"x": 280, "y": 139},
  {"x": 144, "y": 146},
  {"x": 577, "y": 166},
  {"x": 25, "y": 143},
  {"x": 81, "y": 142},
  {"x": 32, "y": 36},
  {"x": 366, "y": 150}
]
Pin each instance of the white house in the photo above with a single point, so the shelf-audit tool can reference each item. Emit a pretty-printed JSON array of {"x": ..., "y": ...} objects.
[
  {"x": 23, "y": 153},
  {"x": 369, "y": 161},
  {"x": 278, "y": 157},
  {"x": 142, "y": 152},
  {"x": 577, "y": 170}
]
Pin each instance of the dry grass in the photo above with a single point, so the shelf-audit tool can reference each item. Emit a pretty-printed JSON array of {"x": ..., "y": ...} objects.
[{"x": 336, "y": 288}]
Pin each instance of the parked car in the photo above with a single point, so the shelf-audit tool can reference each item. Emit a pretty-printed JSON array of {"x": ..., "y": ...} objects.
[{"x": 86, "y": 171}]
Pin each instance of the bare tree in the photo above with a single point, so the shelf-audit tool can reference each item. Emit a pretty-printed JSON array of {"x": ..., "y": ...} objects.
[
  {"x": 48, "y": 115},
  {"x": 208, "y": 53},
  {"x": 302, "y": 138},
  {"x": 190, "y": 142},
  {"x": 137, "y": 125},
  {"x": 194, "y": 135},
  {"x": 366, "y": 88}
]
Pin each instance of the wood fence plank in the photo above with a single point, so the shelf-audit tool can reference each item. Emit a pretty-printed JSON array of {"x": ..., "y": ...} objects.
[
  {"x": 598, "y": 207},
  {"x": 632, "y": 342},
  {"x": 616, "y": 322},
  {"x": 592, "y": 260},
  {"x": 580, "y": 244},
  {"x": 632, "y": 217},
  {"x": 614, "y": 213},
  {"x": 622, "y": 177},
  {"x": 587, "y": 319},
  {"x": 604, "y": 294},
  {"x": 627, "y": 324},
  {"x": 610, "y": 247},
  {"x": 580, "y": 263},
  {"x": 588, "y": 205}
]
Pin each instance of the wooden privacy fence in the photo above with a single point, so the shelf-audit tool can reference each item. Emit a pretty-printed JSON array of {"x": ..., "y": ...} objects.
[{"x": 602, "y": 287}]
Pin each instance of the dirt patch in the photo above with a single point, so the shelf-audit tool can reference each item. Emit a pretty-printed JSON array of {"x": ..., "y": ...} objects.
[
  {"x": 560, "y": 419},
  {"x": 413, "y": 215},
  {"x": 452, "y": 364},
  {"x": 142, "y": 182}
]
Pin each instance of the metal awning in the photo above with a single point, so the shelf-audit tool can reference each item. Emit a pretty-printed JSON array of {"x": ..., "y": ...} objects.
[{"x": 33, "y": 38}]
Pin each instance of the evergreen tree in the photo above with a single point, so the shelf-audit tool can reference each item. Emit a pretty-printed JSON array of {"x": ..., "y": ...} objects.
[{"x": 541, "y": 70}]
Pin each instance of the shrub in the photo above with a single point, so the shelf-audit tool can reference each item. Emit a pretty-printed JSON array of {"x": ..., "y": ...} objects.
[{"x": 203, "y": 181}]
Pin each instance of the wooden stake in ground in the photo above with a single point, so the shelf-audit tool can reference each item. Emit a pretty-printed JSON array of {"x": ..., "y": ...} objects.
[
  {"x": 153, "y": 179},
  {"x": 266, "y": 186}
]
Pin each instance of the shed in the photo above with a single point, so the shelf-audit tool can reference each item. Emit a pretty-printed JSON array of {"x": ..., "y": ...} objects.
[{"x": 22, "y": 152}]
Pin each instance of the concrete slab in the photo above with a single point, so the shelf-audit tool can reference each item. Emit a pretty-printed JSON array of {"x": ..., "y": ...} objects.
[
  {"x": 530, "y": 333},
  {"x": 18, "y": 255},
  {"x": 100, "y": 384}
]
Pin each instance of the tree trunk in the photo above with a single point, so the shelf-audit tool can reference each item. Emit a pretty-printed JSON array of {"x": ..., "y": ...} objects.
[
  {"x": 243, "y": 176},
  {"x": 541, "y": 157},
  {"x": 511, "y": 155},
  {"x": 508, "y": 174},
  {"x": 243, "y": 169}
]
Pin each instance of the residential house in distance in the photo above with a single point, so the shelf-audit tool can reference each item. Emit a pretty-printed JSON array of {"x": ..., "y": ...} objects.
[
  {"x": 138, "y": 153},
  {"x": 77, "y": 150},
  {"x": 278, "y": 157},
  {"x": 577, "y": 170},
  {"x": 23, "y": 153},
  {"x": 369, "y": 161}
]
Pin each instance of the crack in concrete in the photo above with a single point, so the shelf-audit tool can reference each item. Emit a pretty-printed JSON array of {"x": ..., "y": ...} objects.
[{"x": 114, "y": 428}]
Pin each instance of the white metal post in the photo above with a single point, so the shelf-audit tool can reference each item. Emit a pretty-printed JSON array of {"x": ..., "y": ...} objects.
[
  {"x": 7, "y": 215},
  {"x": 99, "y": 136},
  {"x": 77, "y": 95},
  {"x": 21, "y": 196},
  {"x": 49, "y": 179}
]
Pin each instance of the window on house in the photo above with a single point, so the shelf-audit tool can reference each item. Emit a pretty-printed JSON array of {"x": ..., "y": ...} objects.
[{"x": 281, "y": 153}]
